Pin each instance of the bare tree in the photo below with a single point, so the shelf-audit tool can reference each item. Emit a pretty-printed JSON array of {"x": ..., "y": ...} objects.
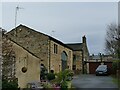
[
  {"x": 9, "y": 81},
  {"x": 8, "y": 58},
  {"x": 112, "y": 44}
]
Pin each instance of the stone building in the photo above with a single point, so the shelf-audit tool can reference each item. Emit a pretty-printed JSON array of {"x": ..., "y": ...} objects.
[
  {"x": 25, "y": 59},
  {"x": 80, "y": 55},
  {"x": 25, "y": 67},
  {"x": 54, "y": 54}
]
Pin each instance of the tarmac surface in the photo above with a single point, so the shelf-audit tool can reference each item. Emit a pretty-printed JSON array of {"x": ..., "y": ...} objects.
[{"x": 92, "y": 82}]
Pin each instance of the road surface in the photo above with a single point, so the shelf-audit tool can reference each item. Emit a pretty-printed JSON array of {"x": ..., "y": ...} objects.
[{"x": 92, "y": 82}]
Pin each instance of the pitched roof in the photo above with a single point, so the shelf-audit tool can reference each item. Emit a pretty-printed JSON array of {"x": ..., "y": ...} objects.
[
  {"x": 33, "y": 43},
  {"x": 51, "y": 38},
  {"x": 24, "y": 48},
  {"x": 4, "y": 36},
  {"x": 75, "y": 46},
  {"x": 59, "y": 42},
  {"x": 94, "y": 57},
  {"x": 97, "y": 57}
]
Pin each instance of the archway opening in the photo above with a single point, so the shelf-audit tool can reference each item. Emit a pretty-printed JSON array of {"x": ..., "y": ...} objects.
[{"x": 64, "y": 58}]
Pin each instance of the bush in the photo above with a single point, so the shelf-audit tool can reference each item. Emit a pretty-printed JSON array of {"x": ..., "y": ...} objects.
[
  {"x": 64, "y": 85},
  {"x": 115, "y": 64},
  {"x": 50, "y": 76},
  {"x": 9, "y": 85},
  {"x": 47, "y": 85},
  {"x": 62, "y": 78}
]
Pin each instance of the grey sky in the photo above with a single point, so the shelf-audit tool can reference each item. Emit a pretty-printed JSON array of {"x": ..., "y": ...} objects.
[{"x": 69, "y": 20}]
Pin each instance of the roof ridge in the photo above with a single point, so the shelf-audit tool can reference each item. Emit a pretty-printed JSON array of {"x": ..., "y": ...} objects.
[
  {"x": 26, "y": 49},
  {"x": 74, "y": 43},
  {"x": 50, "y": 37},
  {"x": 22, "y": 47}
]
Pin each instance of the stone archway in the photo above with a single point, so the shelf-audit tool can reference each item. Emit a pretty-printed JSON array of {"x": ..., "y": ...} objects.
[{"x": 64, "y": 58}]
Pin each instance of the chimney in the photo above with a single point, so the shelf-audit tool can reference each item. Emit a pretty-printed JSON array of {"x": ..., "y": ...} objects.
[{"x": 84, "y": 39}]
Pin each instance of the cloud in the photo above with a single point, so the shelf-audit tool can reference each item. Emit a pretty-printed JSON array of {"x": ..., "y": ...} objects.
[{"x": 70, "y": 21}]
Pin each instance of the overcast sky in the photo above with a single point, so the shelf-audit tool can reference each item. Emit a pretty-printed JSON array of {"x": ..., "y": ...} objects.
[{"x": 69, "y": 20}]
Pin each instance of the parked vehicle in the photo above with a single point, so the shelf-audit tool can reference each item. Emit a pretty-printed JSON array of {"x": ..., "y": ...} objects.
[{"x": 102, "y": 70}]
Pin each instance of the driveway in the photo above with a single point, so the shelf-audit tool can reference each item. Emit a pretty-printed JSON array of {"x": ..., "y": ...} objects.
[{"x": 92, "y": 82}]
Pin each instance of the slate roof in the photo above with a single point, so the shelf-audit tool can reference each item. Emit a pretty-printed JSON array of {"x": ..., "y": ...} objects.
[
  {"x": 75, "y": 46},
  {"x": 59, "y": 42},
  {"x": 4, "y": 36},
  {"x": 51, "y": 38},
  {"x": 24, "y": 48},
  {"x": 35, "y": 42},
  {"x": 95, "y": 57}
]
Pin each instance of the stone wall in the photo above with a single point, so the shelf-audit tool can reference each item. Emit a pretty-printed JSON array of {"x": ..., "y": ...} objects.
[
  {"x": 41, "y": 46},
  {"x": 78, "y": 60},
  {"x": 24, "y": 59},
  {"x": 55, "y": 59},
  {"x": 33, "y": 41}
]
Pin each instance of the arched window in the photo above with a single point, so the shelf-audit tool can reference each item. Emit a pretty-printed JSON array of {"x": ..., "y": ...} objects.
[{"x": 64, "y": 58}]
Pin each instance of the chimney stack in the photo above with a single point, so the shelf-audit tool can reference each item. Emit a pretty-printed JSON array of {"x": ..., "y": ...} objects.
[{"x": 84, "y": 39}]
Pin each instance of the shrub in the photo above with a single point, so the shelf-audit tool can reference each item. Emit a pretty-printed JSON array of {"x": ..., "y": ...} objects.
[
  {"x": 115, "y": 64},
  {"x": 64, "y": 85},
  {"x": 47, "y": 85},
  {"x": 62, "y": 78},
  {"x": 50, "y": 76},
  {"x": 9, "y": 85}
]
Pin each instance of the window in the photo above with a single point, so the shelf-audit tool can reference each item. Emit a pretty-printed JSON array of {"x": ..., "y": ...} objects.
[
  {"x": 74, "y": 67},
  {"x": 55, "y": 48},
  {"x": 74, "y": 57},
  {"x": 64, "y": 59},
  {"x": 70, "y": 54}
]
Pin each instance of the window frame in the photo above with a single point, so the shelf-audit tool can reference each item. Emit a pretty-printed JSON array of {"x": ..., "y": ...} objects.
[{"x": 55, "y": 48}]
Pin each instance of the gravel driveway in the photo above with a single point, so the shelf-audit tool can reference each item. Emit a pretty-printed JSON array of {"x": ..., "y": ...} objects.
[{"x": 92, "y": 82}]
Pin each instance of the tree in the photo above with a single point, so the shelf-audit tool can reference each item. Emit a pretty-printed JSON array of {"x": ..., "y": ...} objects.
[
  {"x": 112, "y": 44},
  {"x": 8, "y": 64}
]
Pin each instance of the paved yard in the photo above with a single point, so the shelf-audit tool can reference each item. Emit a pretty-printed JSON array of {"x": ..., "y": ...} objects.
[{"x": 92, "y": 81}]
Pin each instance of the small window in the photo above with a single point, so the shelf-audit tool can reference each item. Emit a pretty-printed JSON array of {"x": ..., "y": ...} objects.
[
  {"x": 74, "y": 67},
  {"x": 70, "y": 54},
  {"x": 55, "y": 48},
  {"x": 52, "y": 71},
  {"x": 74, "y": 57}
]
